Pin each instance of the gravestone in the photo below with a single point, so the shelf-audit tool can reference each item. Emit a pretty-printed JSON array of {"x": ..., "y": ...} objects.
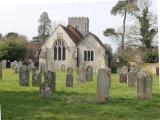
[
  {"x": 13, "y": 64},
  {"x": 31, "y": 66},
  {"x": 70, "y": 70},
  {"x": 89, "y": 73},
  {"x": 19, "y": 63},
  {"x": 69, "y": 80},
  {"x": 51, "y": 78},
  {"x": 4, "y": 64},
  {"x": 42, "y": 68},
  {"x": 144, "y": 85},
  {"x": 123, "y": 74},
  {"x": 63, "y": 68},
  {"x": 103, "y": 85},
  {"x": 0, "y": 71},
  {"x": 17, "y": 68},
  {"x": 131, "y": 78},
  {"x": 123, "y": 77},
  {"x": 24, "y": 76},
  {"x": 157, "y": 71},
  {"x": 45, "y": 90},
  {"x": 81, "y": 75},
  {"x": 36, "y": 78}
]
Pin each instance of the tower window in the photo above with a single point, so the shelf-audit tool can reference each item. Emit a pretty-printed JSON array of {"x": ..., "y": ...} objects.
[
  {"x": 77, "y": 27},
  {"x": 88, "y": 55},
  {"x": 59, "y": 50}
]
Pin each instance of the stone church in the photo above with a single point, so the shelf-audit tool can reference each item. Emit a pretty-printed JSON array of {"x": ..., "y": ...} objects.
[{"x": 73, "y": 46}]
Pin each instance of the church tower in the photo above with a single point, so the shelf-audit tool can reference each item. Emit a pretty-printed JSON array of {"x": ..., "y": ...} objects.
[{"x": 80, "y": 23}]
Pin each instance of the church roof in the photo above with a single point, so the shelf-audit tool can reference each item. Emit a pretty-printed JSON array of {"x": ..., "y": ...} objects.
[
  {"x": 96, "y": 38},
  {"x": 74, "y": 34}
]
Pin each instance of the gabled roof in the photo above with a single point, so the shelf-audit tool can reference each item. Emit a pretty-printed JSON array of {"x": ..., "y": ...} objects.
[
  {"x": 95, "y": 37},
  {"x": 73, "y": 33}
]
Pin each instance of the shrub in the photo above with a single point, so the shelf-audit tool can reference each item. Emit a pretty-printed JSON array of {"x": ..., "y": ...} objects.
[
  {"x": 151, "y": 56},
  {"x": 11, "y": 50}
]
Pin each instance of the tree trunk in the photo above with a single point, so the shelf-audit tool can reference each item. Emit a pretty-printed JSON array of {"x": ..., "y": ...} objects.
[{"x": 124, "y": 28}]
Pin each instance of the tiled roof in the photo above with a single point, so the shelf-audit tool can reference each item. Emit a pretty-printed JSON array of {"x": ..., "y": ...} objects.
[{"x": 74, "y": 34}]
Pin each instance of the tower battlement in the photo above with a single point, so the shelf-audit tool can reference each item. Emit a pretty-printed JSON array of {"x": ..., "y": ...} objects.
[{"x": 80, "y": 23}]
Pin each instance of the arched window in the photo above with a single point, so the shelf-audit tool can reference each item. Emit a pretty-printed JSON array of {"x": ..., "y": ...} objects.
[{"x": 59, "y": 50}]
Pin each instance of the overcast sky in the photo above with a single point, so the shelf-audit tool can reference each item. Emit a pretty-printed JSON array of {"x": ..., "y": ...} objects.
[{"x": 22, "y": 16}]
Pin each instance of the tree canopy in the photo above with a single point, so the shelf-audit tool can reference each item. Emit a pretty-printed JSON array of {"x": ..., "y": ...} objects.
[
  {"x": 44, "y": 27},
  {"x": 12, "y": 50}
]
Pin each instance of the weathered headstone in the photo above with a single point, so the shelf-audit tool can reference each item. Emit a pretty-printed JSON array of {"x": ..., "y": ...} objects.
[
  {"x": 17, "y": 68},
  {"x": 123, "y": 74},
  {"x": 123, "y": 77},
  {"x": 31, "y": 66},
  {"x": 81, "y": 75},
  {"x": 70, "y": 70},
  {"x": 45, "y": 90},
  {"x": 36, "y": 78},
  {"x": 19, "y": 63},
  {"x": 69, "y": 80},
  {"x": 4, "y": 64},
  {"x": 89, "y": 73},
  {"x": 144, "y": 85},
  {"x": 51, "y": 78},
  {"x": 24, "y": 76},
  {"x": 13, "y": 64},
  {"x": 0, "y": 71},
  {"x": 103, "y": 85},
  {"x": 131, "y": 79},
  {"x": 63, "y": 67},
  {"x": 42, "y": 68}
]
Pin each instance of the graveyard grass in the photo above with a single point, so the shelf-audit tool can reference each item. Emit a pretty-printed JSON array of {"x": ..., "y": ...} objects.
[{"x": 77, "y": 103}]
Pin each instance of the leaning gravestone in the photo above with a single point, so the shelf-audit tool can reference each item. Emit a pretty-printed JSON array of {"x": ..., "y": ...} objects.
[
  {"x": 36, "y": 78},
  {"x": 81, "y": 75},
  {"x": 0, "y": 71},
  {"x": 144, "y": 85},
  {"x": 69, "y": 80},
  {"x": 24, "y": 76},
  {"x": 4, "y": 64},
  {"x": 89, "y": 73},
  {"x": 103, "y": 85},
  {"x": 70, "y": 70},
  {"x": 45, "y": 90},
  {"x": 51, "y": 78}
]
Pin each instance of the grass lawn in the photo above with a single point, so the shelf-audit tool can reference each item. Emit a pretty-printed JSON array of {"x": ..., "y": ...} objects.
[{"x": 77, "y": 103}]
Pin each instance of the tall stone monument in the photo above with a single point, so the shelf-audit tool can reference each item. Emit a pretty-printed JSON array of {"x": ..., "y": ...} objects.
[
  {"x": 103, "y": 85},
  {"x": 24, "y": 76},
  {"x": 144, "y": 85}
]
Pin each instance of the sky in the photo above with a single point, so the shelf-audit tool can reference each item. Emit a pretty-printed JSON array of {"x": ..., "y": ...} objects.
[{"x": 22, "y": 16}]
